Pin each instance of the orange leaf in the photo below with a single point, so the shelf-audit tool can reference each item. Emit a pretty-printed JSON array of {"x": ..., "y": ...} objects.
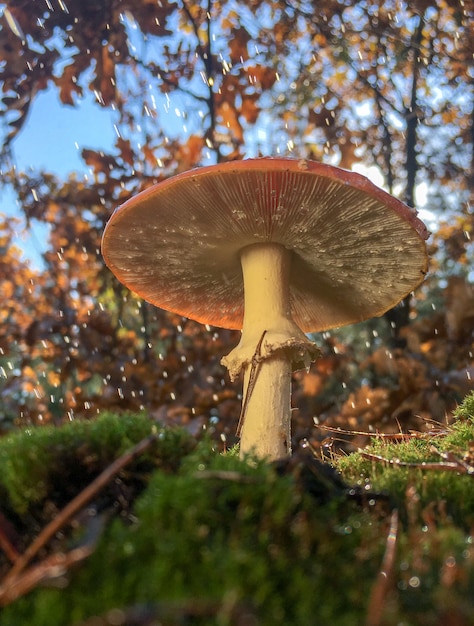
[
  {"x": 54, "y": 379},
  {"x": 230, "y": 119},
  {"x": 264, "y": 76},
  {"x": 249, "y": 110},
  {"x": 67, "y": 84},
  {"x": 126, "y": 152},
  {"x": 238, "y": 41},
  {"x": 105, "y": 81},
  {"x": 99, "y": 161}
]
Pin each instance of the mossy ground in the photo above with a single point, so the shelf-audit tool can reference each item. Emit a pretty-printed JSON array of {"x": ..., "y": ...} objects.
[
  {"x": 416, "y": 463},
  {"x": 191, "y": 536}
]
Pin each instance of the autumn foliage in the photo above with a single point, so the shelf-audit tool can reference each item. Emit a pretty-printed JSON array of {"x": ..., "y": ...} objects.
[{"x": 374, "y": 83}]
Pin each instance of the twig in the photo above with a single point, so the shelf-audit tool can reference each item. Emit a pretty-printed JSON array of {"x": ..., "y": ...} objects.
[
  {"x": 6, "y": 544},
  {"x": 382, "y": 583},
  {"x": 55, "y": 566},
  {"x": 71, "y": 509},
  {"x": 463, "y": 467},
  {"x": 255, "y": 362},
  {"x": 423, "y": 465},
  {"x": 411, "y": 434}
]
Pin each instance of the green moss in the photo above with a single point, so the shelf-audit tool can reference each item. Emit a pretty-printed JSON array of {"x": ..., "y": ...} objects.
[
  {"x": 433, "y": 578},
  {"x": 453, "y": 490},
  {"x": 229, "y": 535},
  {"x": 466, "y": 409},
  {"x": 214, "y": 540},
  {"x": 55, "y": 463}
]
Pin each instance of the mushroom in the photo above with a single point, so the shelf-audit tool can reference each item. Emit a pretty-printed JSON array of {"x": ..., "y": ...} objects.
[{"x": 278, "y": 248}]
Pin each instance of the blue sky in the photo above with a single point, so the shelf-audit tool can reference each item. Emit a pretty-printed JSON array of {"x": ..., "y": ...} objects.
[
  {"x": 52, "y": 139},
  {"x": 55, "y": 134}
]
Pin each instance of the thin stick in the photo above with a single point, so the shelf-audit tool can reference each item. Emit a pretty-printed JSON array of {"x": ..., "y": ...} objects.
[
  {"x": 423, "y": 465},
  {"x": 255, "y": 362},
  {"x": 381, "y": 586},
  {"x": 464, "y": 468},
  {"x": 6, "y": 545},
  {"x": 52, "y": 567},
  {"x": 72, "y": 508},
  {"x": 411, "y": 434}
]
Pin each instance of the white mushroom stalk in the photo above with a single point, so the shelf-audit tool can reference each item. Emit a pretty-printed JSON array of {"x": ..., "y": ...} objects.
[{"x": 271, "y": 347}]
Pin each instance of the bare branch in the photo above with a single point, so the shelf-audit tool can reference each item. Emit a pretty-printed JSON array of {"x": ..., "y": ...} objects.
[{"x": 71, "y": 509}]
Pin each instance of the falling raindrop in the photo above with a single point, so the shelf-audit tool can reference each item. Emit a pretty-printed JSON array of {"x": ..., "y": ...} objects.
[
  {"x": 13, "y": 24},
  {"x": 63, "y": 6}
]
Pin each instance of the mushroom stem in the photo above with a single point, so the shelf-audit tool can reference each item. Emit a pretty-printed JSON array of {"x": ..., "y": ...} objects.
[
  {"x": 266, "y": 422},
  {"x": 271, "y": 346}
]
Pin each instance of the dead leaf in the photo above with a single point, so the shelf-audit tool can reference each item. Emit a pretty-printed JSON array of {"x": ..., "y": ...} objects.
[{"x": 238, "y": 41}]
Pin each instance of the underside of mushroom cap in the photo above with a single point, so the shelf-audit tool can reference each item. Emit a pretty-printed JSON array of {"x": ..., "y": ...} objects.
[{"x": 356, "y": 250}]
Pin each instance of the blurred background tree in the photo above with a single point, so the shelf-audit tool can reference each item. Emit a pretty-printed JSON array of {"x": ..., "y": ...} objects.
[{"x": 384, "y": 86}]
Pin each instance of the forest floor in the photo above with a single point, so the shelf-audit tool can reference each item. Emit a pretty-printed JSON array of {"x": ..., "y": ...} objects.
[{"x": 119, "y": 521}]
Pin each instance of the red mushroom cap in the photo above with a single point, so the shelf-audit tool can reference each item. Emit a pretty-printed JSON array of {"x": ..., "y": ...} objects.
[{"x": 357, "y": 251}]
